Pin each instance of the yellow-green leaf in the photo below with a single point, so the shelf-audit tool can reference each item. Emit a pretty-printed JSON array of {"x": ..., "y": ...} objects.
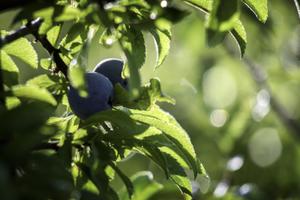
[
  {"x": 34, "y": 93},
  {"x": 23, "y": 50}
]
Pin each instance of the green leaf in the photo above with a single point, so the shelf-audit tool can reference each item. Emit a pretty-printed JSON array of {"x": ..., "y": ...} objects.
[
  {"x": 240, "y": 35},
  {"x": 77, "y": 79},
  {"x": 125, "y": 179},
  {"x": 152, "y": 93},
  {"x": 144, "y": 186},
  {"x": 9, "y": 69},
  {"x": 53, "y": 34},
  {"x": 204, "y": 5},
  {"x": 119, "y": 118},
  {"x": 223, "y": 15},
  {"x": 75, "y": 31},
  {"x": 259, "y": 7},
  {"x": 43, "y": 81},
  {"x": 172, "y": 130},
  {"x": 162, "y": 40},
  {"x": 222, "y": 18},
  {"x": 12, "y": 102},
  {"x": 23, "y": 50},
  {"x": 133, "y": 45},
  {"x": 34, "y": 93},
  {"x": 70, "y": 13},
  {"x": 46, "y": 63},
  {"x": 215, "y": 37}
]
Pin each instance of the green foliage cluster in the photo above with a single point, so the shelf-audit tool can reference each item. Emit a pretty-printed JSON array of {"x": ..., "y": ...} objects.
[{"x": 49, "y": 153}]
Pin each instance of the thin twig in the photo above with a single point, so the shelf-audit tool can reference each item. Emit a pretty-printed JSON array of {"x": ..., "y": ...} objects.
[{"x": 281, "y": 112}]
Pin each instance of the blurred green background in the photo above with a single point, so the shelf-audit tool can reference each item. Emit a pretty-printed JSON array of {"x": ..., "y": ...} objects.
[{"x": 248, "y": 152}]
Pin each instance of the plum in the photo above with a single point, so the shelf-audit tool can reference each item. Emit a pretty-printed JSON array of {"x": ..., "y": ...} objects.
[
  {"x": 100, "y": 92},
  {"x": 112, "y": 69}
]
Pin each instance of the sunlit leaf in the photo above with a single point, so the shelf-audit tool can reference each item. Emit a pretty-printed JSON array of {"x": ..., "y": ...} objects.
[
  {"x": 162, "y": 40},
  {"x": 240, "y": 35},
  {"x": 169, "y": 126},
  {"x": 9, "y": 69},
  {"x": 133, "y": 45},
  {"x": 33, "y": 92},
  {"x": 23, "y": 50},
  {"x": 53, "y": 34},
  {"x": 259, "y": 7}
]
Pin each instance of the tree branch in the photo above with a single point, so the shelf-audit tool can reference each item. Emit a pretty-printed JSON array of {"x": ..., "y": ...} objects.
[
  {"x": 281, "y": 112},
  {"x": 32, "y": 27},
  {"x": 21, "y": 32}
]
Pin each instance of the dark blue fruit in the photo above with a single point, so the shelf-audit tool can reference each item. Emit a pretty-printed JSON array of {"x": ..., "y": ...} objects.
[
  {"x": 112, "y": 69},
  {"x": 100, "y": 91}
]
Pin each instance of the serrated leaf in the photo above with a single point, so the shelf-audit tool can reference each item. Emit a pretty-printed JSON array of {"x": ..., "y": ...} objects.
[
  {"x": 133, "y": 45},
  {"x": 162, "y": 39},
  {"x": 53, "y": 34},
  {"x": 240, "y": 35},
  {"x": 259, "y": 7},
  {"x": 34, "y": 93},
  {"x": 144, "y": 186},
  {"x": 23, "y": 50},
  {"x": 9, "y": 69},
  {"x": 169, "y": 126}
]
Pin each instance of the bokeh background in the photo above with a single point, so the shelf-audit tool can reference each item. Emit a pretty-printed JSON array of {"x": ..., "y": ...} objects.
[{"x": 249, "y": 152}]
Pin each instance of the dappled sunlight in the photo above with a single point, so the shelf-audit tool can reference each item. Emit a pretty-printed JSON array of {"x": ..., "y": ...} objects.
[
  {"x": 265, "y": 147},
  {"x": 219, "y": 87}
]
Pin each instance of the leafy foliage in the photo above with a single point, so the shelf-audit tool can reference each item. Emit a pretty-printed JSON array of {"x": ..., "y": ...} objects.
[{"x": 49, "y": 153}]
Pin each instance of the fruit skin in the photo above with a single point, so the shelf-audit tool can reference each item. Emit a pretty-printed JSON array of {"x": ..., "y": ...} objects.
[
  {"x": 112, "y": 69},
  {"x": 100, "y": 92}
]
